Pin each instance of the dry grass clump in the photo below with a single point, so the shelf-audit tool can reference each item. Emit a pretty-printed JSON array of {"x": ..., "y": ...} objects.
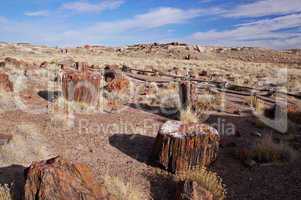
[
  {"x": 207, "y": 102},
  {"x": 121, "y": 190},
  {"x": 26, "y": 145},
  {"x": 208, "y": 180},
  {"x": 267, "y": 150},
  {"x": 167, "y": 98},
  {"x": 188, "y": 116},
  {"x": 5, "y": 192}
]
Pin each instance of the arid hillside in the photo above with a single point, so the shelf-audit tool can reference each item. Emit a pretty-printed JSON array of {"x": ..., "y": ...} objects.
[{"x": 149, "y": 121}]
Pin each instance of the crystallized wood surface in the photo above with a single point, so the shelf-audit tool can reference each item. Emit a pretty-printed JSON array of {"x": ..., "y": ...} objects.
[{"x": 181, "y": 147}]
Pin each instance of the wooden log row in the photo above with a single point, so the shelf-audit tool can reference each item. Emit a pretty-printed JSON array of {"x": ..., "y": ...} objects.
[{"x": 180, "y": 147}]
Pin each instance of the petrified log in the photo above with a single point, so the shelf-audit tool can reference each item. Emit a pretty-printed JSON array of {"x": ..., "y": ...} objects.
[
  {"x": 111, "y": 72},
  {"x": 59, "y": 179},
  {"x": 5, "y": 84},
  {"x": 118, "y": 85},
  {"x": 81, "y": 86},
  {"x": 187, "y": 93},
  {"x": 81, "y": 66},
  {"x": 180, "y": 147},
  {"x": 191, "y": 190}
]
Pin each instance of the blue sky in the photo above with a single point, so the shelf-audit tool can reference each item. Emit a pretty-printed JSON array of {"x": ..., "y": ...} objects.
[{"x": 263, "y": 23}]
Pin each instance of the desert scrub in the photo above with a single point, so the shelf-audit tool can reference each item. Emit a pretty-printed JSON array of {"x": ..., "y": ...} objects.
[
  {"x": 5, "y": 192},
  {"x": 207, "y": 102},
  {"x": 121, "y": 190},
  {"x": 207, "y": 179},
  {"x": 267, "y": 150},
  {"x": 188, "y": 116}
]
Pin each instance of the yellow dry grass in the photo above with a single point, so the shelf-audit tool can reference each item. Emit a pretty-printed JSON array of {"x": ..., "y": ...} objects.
[
  {"x": 208, "y": 180},
  {"x": 122, "y": 190}
]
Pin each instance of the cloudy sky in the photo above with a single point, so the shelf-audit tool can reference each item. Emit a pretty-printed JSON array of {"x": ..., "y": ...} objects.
[{"x": 263, "y": 23}]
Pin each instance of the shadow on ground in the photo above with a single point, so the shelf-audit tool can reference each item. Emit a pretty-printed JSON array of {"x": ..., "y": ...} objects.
[
  {"x": 13, "y": 175},
  {"x": 162, "y": 186},
  {"x": 136, "y": 146},
  {"x": 49, "y": 95},
  {"x": 171, "y": 113}
]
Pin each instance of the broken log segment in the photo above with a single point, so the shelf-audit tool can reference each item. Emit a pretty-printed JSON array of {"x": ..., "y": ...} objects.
[
  {"x": 81, "y": 86},
  {"x": 180, "y": 147},
  {"x": 187, "y": 93}
]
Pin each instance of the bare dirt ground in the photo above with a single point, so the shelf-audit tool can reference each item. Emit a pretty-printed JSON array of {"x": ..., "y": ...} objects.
[{"x": 120, "y": 144}]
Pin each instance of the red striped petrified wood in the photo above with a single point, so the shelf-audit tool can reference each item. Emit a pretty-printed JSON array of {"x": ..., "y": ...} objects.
[
  {"x": 81, "y": 85},
  {"x": 180, "y": 147}
]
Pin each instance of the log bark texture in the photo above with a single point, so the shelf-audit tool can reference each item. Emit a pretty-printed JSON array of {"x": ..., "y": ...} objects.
[
  {"x": 180, "y": 147},
  {"x": 58, "y": 179},
  {"x": 81, "y": 86},
  {"x": 187, "y": 93}
]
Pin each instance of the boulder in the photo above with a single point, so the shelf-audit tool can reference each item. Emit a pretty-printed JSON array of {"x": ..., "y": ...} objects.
[
  {"x": 5, "y": 84},
  {"x": 58, "y": 179}
]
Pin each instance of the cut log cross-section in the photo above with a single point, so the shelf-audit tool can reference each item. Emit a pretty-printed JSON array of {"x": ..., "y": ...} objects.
[{"x": 179, "y": 147}]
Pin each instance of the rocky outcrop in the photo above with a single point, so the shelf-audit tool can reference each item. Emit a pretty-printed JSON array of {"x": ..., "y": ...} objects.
[
  {"x": 58, "y": 179},
  {"x": 5, "y": 84}
]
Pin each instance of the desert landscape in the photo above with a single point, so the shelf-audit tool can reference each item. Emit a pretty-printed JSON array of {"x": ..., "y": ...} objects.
[{"x": 149, "y": 121}]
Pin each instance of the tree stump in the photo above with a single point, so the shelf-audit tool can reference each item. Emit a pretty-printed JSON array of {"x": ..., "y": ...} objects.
[
  {"x": 187, "y": 93},
  {"x": 179, "y": 147},
  {"x": 81, "y": 86},
  {"x": 191, "y": 190}
]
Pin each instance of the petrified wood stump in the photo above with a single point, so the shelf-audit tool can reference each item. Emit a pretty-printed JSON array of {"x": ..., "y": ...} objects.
[
  {"x": 5, "y": 84},
  {"x": 81, "y": 86},
  {"x": 191, "y": 190},
  {"x": 180, "y": 147},
  {"x": 187, "y": 93}
]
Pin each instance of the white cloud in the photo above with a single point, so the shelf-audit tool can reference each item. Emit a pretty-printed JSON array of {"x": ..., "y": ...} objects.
[
  {"x": 152, "y": 19},
  {"x": 40, "y": 13},
  {"x": 264, "y": 8},
  {"x": 85, "y": 6},
  {"x": 266, "y": 32},
  {"x": 139, "y": 28}
]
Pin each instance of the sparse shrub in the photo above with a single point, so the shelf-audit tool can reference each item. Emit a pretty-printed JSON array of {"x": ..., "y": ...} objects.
[
  {"x": 5, "y": 192},
  {"x": 168, "y": 98},
  {"x": 207, "y": 179},
  {"x": 121, "y": 190},
  {"x": 207, "y": 102},
  {"x": 188, "y": 116}
]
